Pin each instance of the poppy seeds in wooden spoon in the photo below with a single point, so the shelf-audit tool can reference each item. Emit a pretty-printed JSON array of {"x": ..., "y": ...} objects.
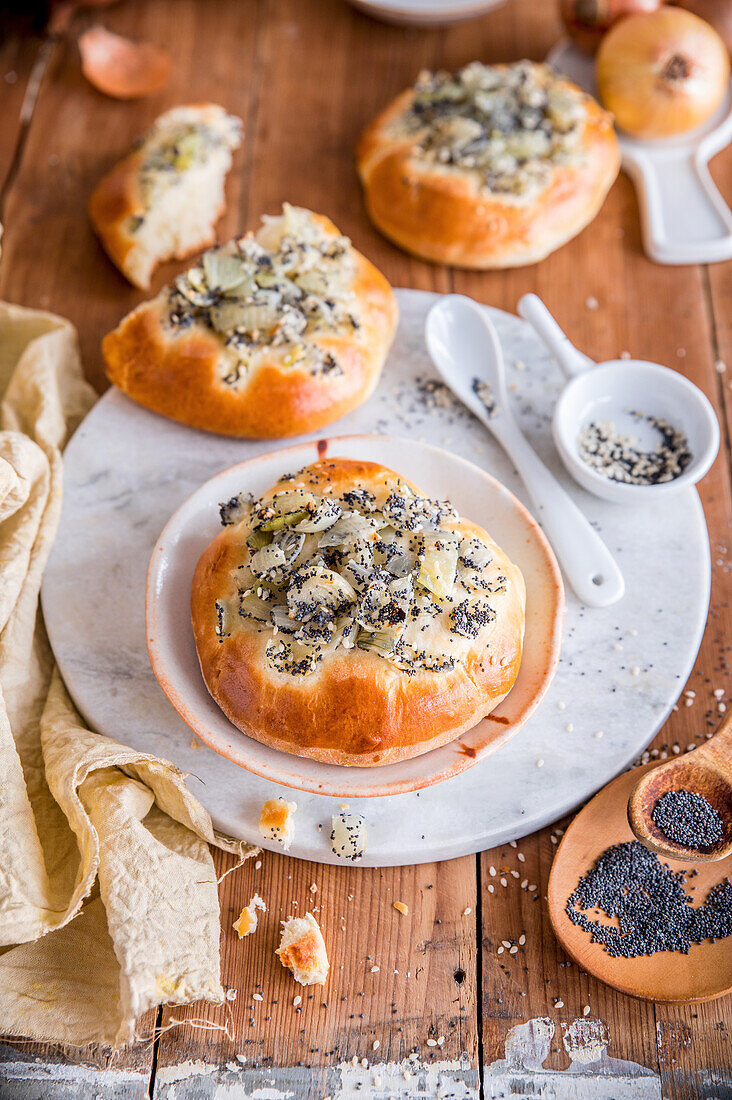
[{"x": 689, "y": 819}]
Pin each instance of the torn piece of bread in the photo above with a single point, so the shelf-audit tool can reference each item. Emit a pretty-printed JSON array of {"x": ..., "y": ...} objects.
[
  {"x": 247, "y": 920},
  {"x": 302, "y": 950},
  {"x": 275, "y": 821},
  {"x": 163, "y": 200}
]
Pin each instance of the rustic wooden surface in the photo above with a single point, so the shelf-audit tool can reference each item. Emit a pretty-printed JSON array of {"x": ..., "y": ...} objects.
[{"x": 306, "y": 75}]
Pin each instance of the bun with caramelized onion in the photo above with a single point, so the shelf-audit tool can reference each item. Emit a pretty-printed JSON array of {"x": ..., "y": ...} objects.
[
  {"x": 493, "y": 166},
  {"x": 272, "y": 335},
  {"x": 347, "y": 618}
]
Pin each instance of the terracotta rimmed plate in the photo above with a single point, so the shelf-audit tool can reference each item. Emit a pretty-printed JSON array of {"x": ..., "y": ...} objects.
[
  {"x": 474, "y": 493},
  {"x": 669, "y": 976}
]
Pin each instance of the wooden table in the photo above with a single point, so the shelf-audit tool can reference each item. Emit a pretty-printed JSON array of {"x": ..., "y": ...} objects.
[{"x": 306, "y": 75}]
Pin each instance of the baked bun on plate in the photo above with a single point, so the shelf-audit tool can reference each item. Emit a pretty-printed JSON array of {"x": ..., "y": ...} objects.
[
  {"x": 345, "y": 617},
  {"x": 494, "y": 166},
  {"x": 271, "y": 335},
  {"x": 163, "y": 200}
]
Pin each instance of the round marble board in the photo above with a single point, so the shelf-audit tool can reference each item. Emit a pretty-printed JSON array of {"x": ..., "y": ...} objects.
[{"x": 621, "y": 670}]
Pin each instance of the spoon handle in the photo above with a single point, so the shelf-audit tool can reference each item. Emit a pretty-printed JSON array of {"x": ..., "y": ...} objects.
[
  {"x": 587, "y": 563},
  {"x": 718, "y": 751},
  {"x": 572, "y": 361}
]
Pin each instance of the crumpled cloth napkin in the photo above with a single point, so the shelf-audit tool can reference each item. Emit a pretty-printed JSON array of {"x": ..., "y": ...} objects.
[{"x": 77, "y": 808}]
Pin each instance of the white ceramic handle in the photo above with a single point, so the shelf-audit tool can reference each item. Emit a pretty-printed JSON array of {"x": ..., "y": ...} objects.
[
  {"x": 572, "y": 361},
  {"x": 587, "y": 563},
  {"x": 684, "y": 218}
]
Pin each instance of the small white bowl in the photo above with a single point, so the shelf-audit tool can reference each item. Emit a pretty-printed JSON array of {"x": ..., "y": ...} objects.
[
  {"x": 425, "y": 13},
  {"x": 611, "y": 392}
]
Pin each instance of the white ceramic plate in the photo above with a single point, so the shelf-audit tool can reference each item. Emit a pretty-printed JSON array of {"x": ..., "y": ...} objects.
[
  {"x": 425, "y": 13},
  {"x": 474, "y": 493}
]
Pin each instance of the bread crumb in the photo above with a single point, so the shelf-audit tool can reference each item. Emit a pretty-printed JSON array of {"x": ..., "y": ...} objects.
[
  {"x": 275, "y": 821},
  {"x": 247, "y": 920},
  {"x": 302, "y": 950},
  {"x": 348, "y": 836},
  {"x": 401, "y": 908}
]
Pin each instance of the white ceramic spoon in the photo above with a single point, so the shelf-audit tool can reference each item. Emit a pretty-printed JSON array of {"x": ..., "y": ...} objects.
[
  {"x": 609, "y": 391},
  {"x": 464, "y": 346}
]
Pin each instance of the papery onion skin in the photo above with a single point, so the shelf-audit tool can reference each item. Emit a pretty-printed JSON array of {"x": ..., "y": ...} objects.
[
  {"x": 586, "y": 21},
  {"x": 662, "y": 73}
]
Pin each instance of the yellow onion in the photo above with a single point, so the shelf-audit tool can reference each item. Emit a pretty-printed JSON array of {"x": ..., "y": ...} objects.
[
  {"x": 662, "y": 73},
  {"x": 586, "y": 21}
]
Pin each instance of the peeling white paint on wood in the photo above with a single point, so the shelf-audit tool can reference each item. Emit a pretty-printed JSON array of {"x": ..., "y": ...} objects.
[
  {"x": 67, "y": 1081},
  {"x": 408, "y": 1080},
  {"x": 592, "y": 1075},
  {"x": 405, "y": 1080}
]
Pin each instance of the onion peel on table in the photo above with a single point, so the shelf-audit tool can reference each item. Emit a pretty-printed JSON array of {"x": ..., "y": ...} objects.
[{"x": 120, "y": 67}]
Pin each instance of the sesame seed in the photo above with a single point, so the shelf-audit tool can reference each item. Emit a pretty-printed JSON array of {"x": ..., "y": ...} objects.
[
  {"x": 540, "y": 763},
  {"x": 467, "y": 912},
  {"x": 598, "y": 735},
  {"x": 522, "y": 940},
  {"x": 586, "y": 1010},
  {"x": 297, "y": 1001},
  {"x": 376, "y": 1044},
  {"x": 432, "y": 1042},
  {"x": 635, "y": 671}
]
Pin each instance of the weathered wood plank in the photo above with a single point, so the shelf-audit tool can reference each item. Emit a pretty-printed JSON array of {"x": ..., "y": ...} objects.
[
  {"x": 396, "y": 980},
  {"x": 310, "y": 107},
  {"x": 659, "y": 313}
]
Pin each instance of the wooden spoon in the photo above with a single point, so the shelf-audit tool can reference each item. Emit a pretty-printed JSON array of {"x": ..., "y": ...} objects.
[{"x": 706, "y": 771}]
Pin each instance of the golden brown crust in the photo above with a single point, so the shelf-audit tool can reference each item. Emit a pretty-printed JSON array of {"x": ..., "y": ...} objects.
[
  {"x": 444, "y": 216},
  {"x": 356, "y": 708},
  {"x": 179, "y": 374}
]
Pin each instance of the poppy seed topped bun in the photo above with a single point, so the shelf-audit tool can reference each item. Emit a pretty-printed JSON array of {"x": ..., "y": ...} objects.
[
  {"x": 347, "y": 618},
  {"x": 494, "y": 166},
  {"x": 274, "y": 334}
]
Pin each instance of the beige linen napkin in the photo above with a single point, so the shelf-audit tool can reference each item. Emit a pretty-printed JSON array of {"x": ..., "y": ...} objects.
[{"x": 76, "y": 807}]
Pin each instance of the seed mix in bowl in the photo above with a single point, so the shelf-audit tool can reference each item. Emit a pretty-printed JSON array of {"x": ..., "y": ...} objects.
[{"x": 618, "y": 457}]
